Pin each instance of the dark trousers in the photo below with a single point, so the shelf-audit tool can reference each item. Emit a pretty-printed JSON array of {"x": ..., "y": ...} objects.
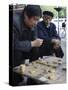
[
  {"x": 47, "y": 49},
  {"x": 59, "y": 52}
]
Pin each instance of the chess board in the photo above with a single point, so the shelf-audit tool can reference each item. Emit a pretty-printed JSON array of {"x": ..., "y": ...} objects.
[{"x": 47, "y": 70}]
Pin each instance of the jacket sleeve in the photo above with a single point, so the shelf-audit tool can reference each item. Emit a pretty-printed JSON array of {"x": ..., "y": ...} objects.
[
  {"x": 20, "y": 45},
  {"x": 55, "y": 35},
  {"x": 41, "y": 34}
]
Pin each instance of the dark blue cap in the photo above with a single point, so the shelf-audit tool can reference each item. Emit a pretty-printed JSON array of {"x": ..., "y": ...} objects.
[{"x": 48, "y": 13}]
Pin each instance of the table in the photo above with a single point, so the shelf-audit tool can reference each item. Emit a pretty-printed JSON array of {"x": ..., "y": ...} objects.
[{"x": 49, "y": 70}]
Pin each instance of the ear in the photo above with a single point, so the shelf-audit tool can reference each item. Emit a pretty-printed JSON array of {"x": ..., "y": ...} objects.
[
  {"x": 25, "y": 16},
  {"x": 43, "y": 17}
]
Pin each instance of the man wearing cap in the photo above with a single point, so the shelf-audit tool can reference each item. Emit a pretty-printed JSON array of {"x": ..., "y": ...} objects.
[
  {"x": 24, "y": 38},
  {"x": 47, "y": 32}
]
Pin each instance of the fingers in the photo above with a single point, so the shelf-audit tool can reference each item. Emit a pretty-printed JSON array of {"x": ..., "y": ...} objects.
[
  {"x": 56, "y": 41},
  {"x": 37, "y": 43}
]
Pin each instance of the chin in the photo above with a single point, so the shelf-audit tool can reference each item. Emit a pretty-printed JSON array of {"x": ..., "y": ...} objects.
[{"x": 31, "y": 26}]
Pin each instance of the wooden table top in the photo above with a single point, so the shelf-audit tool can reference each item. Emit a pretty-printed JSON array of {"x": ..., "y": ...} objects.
[{"x": 50, "y": 70}]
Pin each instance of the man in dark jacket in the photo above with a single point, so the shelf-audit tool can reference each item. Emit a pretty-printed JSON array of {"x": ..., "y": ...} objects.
[
  {"x": 24, "y": 40},
  {"x": 47, "y": 32}
]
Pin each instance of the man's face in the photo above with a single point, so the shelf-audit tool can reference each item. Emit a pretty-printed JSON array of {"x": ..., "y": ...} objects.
[
  {"x": 47, "y": 19},
  {"x": 32, "y": 21}
]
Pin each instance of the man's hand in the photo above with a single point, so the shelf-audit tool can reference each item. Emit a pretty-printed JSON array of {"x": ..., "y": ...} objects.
[
  {"x": 56, "y": 43},
  {"x": 37, "y": 43}
]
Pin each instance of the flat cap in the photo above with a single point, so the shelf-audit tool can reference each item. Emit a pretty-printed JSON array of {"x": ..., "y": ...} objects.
[{"x": 48, "y": 13}]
